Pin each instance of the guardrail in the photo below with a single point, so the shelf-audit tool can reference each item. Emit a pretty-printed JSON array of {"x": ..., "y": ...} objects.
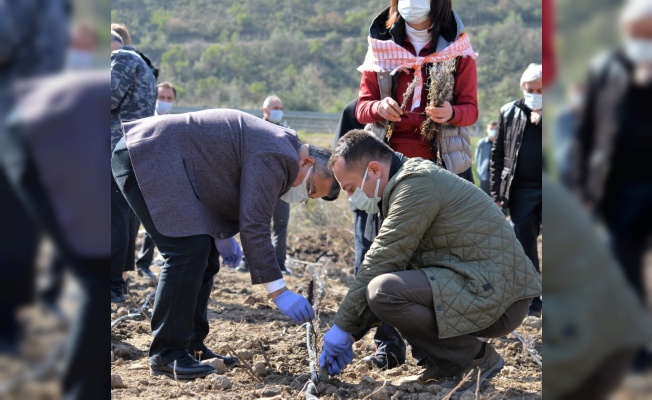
[{"x": 308, "y": 121}]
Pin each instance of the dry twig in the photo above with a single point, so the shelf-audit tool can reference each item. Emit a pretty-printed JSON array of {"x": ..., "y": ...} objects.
[
  {"x": 465, "y": 379},
  {"x": 370, "y": 395},
  {"x": 244, "y": 363},
  {"x": 262, "y": 349}
]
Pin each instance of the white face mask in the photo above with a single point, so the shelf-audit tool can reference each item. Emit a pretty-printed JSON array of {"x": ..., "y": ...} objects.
[
  {"x": 275, "y": 116},
  {"x": 533, "y": 101},
  {"x": 492, "y": 133},
  {"x": 299, "y": 193},
  {"x": 360, "y": 201},
  {"x": 639, "y": 50},
  {"x": 163, "y": 107},
  {"x": 414, "y": 11}
]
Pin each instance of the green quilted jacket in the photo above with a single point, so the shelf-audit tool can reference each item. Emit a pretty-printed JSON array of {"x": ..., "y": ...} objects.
[{"x": 453, "y": 232}]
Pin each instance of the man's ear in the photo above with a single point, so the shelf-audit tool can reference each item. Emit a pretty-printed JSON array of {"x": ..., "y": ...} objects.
[
  {"x": 375, "y": 169},
  {"x": 307, "y": 160}
]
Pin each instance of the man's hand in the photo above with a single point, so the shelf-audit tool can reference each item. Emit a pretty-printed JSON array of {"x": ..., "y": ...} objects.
[
  {"x": 390, "y": 110},
  {"x": 499, "y": 204},
  {"x": 338, "y": 350},
  {"x": 230, "y": 251},
  {"x": 441, "y": 114},
  {"x": 294, "y": 306}
]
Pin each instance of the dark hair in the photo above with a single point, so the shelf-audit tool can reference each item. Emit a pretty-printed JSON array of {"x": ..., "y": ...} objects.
[
  {"x": 168, "y": 85},
  {"x": 493, "y": 122},
  {"x": 322, "y": 157},
  {"x": 358, "y": 148},
  {"x": 441, "y": 15}
]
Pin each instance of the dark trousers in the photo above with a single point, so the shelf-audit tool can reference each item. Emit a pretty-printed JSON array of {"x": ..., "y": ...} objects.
[
  {"x": 525, "y": 214},
  {"x": 180, "y": 320},
  {"x": 19, "y": 238},
  {"x": 146, "y": 254},
  {"x": 280, "y": 231},
  {"x": 83, "y": 377},
  {"x": 627, "y": 214},
  {"x": 387, "y": 339},
  {"x": 404, "y": 300},
  {"x": 120, "y": 227}
]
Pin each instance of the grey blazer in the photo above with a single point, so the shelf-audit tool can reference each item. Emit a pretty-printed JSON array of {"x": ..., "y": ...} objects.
[{"x": 215, "y": 172}]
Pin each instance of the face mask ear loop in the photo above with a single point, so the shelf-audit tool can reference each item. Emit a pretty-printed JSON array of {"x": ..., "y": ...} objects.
[
  {"x": 364, "y": 178},
  {"x": 377, "y": 187}
]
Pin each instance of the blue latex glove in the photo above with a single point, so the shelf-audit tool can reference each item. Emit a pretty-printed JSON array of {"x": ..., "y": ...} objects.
[
  {"x": 338, "y": 350},
  {"x": 230, "y": 251},
  {"x": 294, "y": 306}
]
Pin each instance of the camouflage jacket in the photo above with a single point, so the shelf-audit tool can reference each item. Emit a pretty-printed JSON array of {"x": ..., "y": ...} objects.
[{"x": 133, "y": 90}]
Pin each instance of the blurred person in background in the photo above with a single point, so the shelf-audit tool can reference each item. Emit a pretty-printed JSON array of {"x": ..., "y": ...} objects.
[
  {"x": 35, "y": 37},
  {"x": 566, "y": 124},
  {"x": 133, "y": 96},
  {"x": 83, "y": 49},
  {"x": 614, "y": 177},
  {"x": 273, "y": 112},
  {"x": 183, "y": 152},
  {"x": 483, "y": 155},
  {"x": 410, "y": 37},
  {"x": 517, "y": 165},
  {"x": 167, "y": 95}
]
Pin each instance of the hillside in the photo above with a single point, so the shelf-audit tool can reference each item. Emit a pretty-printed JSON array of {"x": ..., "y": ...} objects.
[{"x": 232, "y": 54}]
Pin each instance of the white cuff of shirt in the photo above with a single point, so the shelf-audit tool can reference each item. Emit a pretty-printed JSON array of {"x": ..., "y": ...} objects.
[{"x": 274, "y": 286}]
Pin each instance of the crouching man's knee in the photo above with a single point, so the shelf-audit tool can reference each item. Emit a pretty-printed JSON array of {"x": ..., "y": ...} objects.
[{"x": 377, "y": 294}]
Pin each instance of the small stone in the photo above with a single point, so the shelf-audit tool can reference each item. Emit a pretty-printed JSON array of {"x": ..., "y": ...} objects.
[
  {"x": 200, "y": 387},
  {"x": 424, "y": 396},
  {"x": 260, "y": 369},
  {"x": 119, "y": 362},
  {"x": 271, "y": 391},
  {"x": 467, "y": 396},
  {"x": 116, "y": 382},
  {"x": 143, "y": 382},
  {"x": 217, "y": 363},
  {"x": 368, "y": 379},
  {"x": 509, "y": 370},
  {"x": 122, "y": 311},
  {"x": 532, "y": 322},
  {"x": 121, "y": 351},
  {"x": 136, "y": 366},
  {"x": 434, "y": 389},
  {"x": 245, "y": 354},
  {"x": 362, "y": 369},
  {"x": 221, "y": 382},
  {"x": 251, "y": 300},
  {"x": 380, "y": 395}
]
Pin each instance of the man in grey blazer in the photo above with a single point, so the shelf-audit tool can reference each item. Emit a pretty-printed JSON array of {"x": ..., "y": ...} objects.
[{"x": 195, "y": 180}]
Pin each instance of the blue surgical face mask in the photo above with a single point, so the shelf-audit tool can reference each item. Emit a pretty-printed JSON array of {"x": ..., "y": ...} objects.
[
  {"x": 533, "y": 101},
  {"x": 492, "y": 133},
  {"x": 414, "y": 11},
  {"x": 163, "y": 107},
  {"x": 275, "y": 116},
  {"x": 299, "y": 193},
  {"x": 79, "y": 59},
  {"x": 360, "y": 201}
]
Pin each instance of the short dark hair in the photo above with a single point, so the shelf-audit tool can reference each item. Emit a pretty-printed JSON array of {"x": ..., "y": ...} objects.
[
  {"x": 358, "y": 148},
  {"x": 493, "y": 122},
  {"x": 168, "y": 85},
  {"x": 322, "y": 157}
]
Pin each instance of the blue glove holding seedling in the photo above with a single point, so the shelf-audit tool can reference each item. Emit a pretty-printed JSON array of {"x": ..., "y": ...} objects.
[
  {"x": 230, "y": 251},
  {"x": 294, "y": 306},
  {"x": 338, "y": 350}
]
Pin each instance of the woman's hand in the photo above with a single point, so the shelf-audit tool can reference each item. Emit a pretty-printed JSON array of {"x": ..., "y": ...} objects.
[
  {"x": 390, "y": 110},
  {"x": 440, "y": 114}
]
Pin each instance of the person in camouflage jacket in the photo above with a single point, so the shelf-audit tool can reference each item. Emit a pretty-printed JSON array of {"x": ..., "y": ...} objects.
[{"x": 133, "y": 88}]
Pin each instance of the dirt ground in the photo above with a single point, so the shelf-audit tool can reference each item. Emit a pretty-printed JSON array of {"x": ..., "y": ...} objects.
[{"x": 244, "y": 320}]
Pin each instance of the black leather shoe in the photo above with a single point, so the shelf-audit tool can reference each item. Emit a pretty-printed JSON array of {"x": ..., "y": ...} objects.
[
  {"x": 186, "y": 368},
  {"x": 207, "y": 354}
]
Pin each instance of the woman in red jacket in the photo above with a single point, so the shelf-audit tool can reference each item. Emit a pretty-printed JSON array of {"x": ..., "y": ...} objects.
[{"x": 410, "y": 39}]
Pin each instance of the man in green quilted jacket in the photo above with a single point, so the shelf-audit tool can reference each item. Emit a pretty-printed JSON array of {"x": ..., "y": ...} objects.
[{"x": 445, "y": 268}]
